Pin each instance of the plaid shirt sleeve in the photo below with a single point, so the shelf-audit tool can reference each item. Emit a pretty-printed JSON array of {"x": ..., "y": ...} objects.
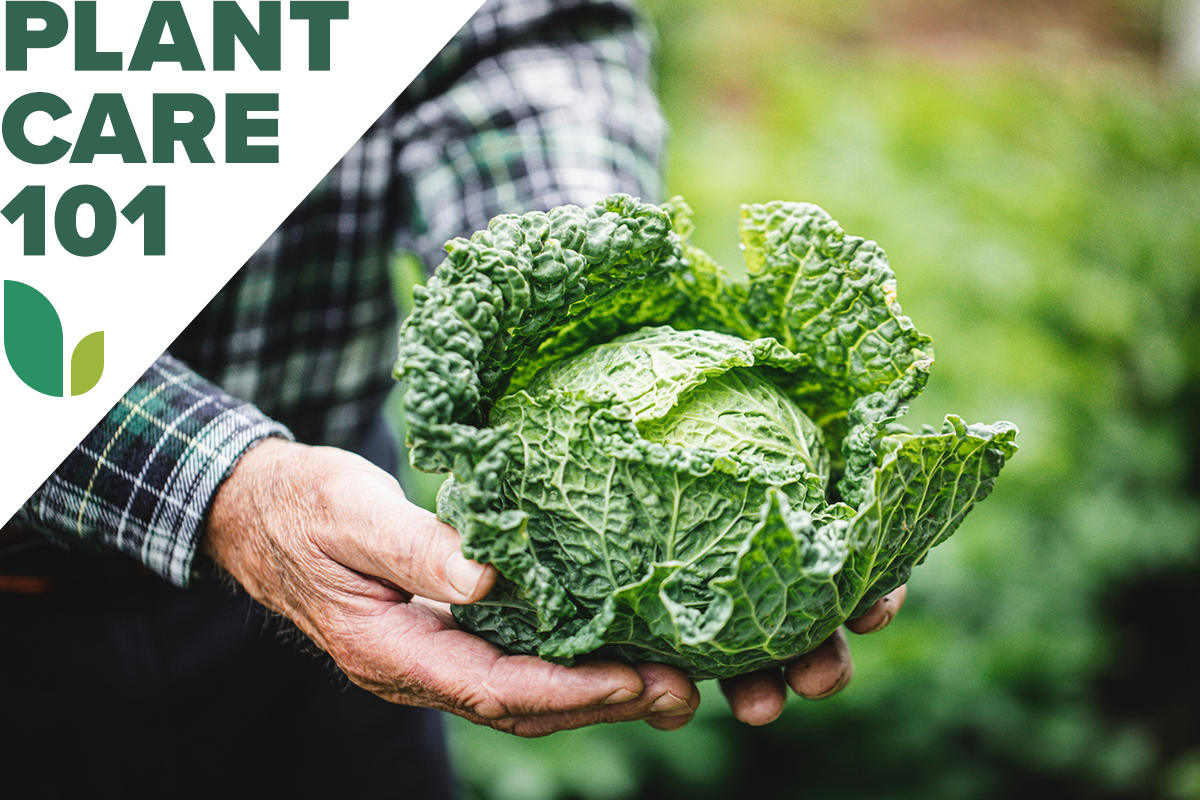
[
  {"x": 143, "y": 478},
  {"x": 535, "y": 103}
]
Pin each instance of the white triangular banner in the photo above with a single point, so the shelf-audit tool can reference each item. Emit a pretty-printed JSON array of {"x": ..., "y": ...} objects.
[{"x": 216, "y": 215}]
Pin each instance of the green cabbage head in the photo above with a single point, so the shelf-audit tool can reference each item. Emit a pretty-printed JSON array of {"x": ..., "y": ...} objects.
[{"x": 670, "y": 464}]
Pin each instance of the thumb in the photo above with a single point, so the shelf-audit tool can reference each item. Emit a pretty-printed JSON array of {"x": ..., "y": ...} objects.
[
  {"x": 376, "y": 531},
  {"x": 425, "y": 558}
]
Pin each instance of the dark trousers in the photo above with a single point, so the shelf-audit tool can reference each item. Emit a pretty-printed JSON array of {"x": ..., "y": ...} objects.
[{"x": 116, "y": 683}]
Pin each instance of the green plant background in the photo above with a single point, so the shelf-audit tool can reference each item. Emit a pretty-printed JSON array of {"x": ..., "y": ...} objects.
[{"x": 1037, "y": 190}]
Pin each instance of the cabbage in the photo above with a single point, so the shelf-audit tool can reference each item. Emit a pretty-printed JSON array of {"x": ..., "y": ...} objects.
[{"x": 669, "y": 464}]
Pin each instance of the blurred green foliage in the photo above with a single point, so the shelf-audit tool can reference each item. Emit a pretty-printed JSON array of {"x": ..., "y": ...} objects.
[{"x": 1042, "y": 213}]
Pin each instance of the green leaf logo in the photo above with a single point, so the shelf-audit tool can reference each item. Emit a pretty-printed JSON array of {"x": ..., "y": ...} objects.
[
  {"x": 33, "y": 342},
  {"x": 87, "y": 363}
]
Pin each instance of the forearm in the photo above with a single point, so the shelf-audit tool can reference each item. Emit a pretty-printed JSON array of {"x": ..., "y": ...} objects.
[{"x": 143, "y": 479}]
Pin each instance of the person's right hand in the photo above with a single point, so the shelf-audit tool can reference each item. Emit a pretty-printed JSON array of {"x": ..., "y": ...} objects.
[{"x": 325, "y": 538}]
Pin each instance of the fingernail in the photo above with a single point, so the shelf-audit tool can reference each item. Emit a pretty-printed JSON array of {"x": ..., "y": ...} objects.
[
  {"x": 839, "y": 684},
  {"x": 619, "y": 696},
  {"x": 883, "y": 622},
  {"x": 670, "y": 706},
  {"x": 463, "y": 575}
]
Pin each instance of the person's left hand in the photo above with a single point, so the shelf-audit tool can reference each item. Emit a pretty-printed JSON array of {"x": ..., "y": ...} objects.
[
  {"x": 329, "y": 541},
  {"x": 757, "y": 698}
]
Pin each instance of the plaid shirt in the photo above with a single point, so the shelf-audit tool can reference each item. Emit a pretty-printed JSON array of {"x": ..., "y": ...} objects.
[{"x": 534, "y": 103}]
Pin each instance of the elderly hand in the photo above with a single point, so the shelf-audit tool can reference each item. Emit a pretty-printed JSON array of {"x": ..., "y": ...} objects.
[{"x": 329, "y": 540}]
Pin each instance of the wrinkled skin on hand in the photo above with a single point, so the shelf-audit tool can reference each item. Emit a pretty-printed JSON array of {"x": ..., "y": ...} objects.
[{"x": 328, "y": 540}]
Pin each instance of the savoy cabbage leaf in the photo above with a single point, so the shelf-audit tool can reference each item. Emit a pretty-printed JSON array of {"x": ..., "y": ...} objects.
[{"x": 669, "y": 464}]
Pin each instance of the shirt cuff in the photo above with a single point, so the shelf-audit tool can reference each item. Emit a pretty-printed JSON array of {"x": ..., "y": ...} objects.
[
  {"x": 174, "y": 534},
  {"x": 143, "y": 480}
]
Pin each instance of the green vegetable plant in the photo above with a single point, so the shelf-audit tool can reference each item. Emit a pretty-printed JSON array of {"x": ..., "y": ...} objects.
[{"x": 668, "y": 463}]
